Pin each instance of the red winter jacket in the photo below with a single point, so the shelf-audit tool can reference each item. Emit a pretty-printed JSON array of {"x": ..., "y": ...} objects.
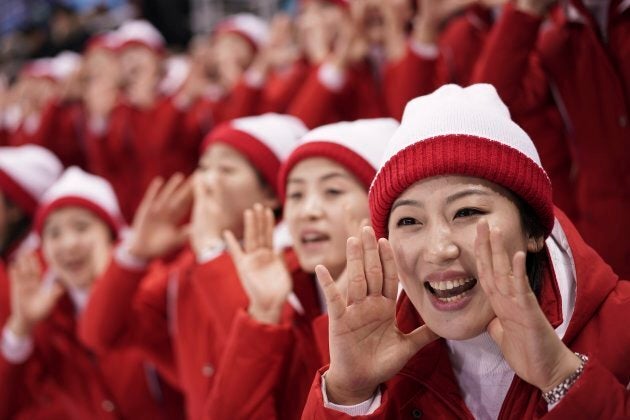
[
  {"x": 587, "y": 77},
  {"x": 315, "y": 104},
  {"x": 178, "y": 316},
  {"x": 140, "y": 144},
  {"x": 64, "y": 380},
  {"x": 266, "y": 370},
  {"x": 427, "y": 386},
  {"x": 60, "y": 130}
]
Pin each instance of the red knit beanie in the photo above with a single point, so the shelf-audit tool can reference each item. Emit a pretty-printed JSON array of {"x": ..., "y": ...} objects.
[
  {"x": 357, "y": 146},
  {"x": 265, "y": 140},
  {"x": 460, "y": 131}
]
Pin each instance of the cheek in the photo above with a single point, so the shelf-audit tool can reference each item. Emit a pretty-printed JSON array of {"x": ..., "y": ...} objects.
[{"x": 405, "y": 255}]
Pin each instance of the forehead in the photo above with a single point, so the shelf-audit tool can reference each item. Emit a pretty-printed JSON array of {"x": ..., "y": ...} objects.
[
  {"x": 222, "y": 152},
  {"x": 70, "y": 214},
  {"x": 446, "y": 185},
  {"x": 314, "y": 168}
]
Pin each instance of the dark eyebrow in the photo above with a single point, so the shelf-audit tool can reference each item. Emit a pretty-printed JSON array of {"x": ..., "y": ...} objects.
[
  {"x": 323, "y": 178},
  {"x": 461, "y": 194},
  {"x": 399, "y": 203}
]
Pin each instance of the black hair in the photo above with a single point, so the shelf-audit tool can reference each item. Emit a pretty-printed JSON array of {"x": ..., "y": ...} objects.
[
  {"x": 277, "y": 212},
  {"x": 15, "y": 230},
  {"x": 535, "y": 262}
]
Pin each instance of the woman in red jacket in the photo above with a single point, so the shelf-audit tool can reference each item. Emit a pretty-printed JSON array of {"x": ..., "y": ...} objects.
[
  {"x": 178, "y": 314},
  {"x": 45, "y": 371},
  {"x": 527, "y": 313},
  {"x": 280, "y": 337}
]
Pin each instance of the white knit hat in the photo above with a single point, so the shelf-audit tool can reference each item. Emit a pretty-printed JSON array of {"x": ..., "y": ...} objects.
[
  {"x": 357, "y": 146},
  {"x": 140, "y": 32},
  {"x": 26, "y": 172},
  {"x": 249, "y": 26},
  {"x": 460, "y": 131},
  {"x": 78, "y": 188},
  {"x": 266, "y": 140},
  {"x": 65, "y": 64}
]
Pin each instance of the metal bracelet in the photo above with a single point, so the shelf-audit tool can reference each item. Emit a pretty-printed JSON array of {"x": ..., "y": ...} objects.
[{"x": 554, "y": 395}]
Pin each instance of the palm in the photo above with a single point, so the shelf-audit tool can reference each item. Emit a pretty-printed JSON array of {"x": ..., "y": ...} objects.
[
  {"x": 31, "y": 300},
  {"x": 525, "y": 336},
  {"x": 261, "y": 270},
  {"x": 156, "y": 226},
  {"x": 366, "y": 347},
  {"x": 266, "y": 277}
]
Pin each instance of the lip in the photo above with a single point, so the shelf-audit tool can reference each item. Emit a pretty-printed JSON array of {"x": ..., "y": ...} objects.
[
  {"x": 446, "y": 275},
  {"x": 74, "y": 265},
  {"x": 450, "y": 306},
  {"x": 313, "y": 245}
]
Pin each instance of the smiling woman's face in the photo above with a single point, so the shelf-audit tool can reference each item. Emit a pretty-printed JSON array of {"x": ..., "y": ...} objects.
[
  {"x": 77, "y": 245},
  {"x": 432, "y": 230}
]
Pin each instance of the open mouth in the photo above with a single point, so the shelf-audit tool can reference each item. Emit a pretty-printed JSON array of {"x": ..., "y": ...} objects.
[
  {"x": 451, "y": 290},
  {"x": 314, "y": 238}
]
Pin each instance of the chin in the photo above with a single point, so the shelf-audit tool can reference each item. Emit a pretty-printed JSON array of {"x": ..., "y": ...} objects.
[{"x": 450, "y": 332}]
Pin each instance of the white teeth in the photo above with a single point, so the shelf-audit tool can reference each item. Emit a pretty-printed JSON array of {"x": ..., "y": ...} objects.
[
  {"x": 449, "y": 284},
  {"x": 454, "y": 298}
]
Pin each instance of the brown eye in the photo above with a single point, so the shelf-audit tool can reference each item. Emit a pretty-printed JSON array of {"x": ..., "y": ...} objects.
[
  {"x": 407, "y": 221},
  {"x": 468, "y": 212}
]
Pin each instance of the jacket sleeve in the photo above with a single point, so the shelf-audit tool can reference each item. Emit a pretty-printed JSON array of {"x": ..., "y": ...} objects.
[
  {"x": 128, "y": 308},
  {"x": 415, "y": 74},
  {"x": 281, "y": 88},
  {"x": 249, "y": 370},
  {"x": 596, "y": 394},
  {"x": 510, "y": 62},
  {"x": 315, "y": 103},
  {"x": 315, "y": 408},
  {"x": 12, "y": 386}
]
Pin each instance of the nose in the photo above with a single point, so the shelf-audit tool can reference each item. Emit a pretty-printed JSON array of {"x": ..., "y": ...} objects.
[
  {"x": 69, "y": 241},
  {"x": 312, "y": 207},
  {"x": 440, "y": 247}
]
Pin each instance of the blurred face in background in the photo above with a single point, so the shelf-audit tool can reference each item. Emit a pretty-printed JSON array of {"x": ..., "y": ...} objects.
[
  {"x": 228, "y": 177},
  {"x": 318, "y": 25},
  {"x": 233, "y": 56},
  {"x": 101, "y": 66},
  {"x": 77, "y": 245},
  {"x": 321, "y": 196},
  {"x": 141, "y": 70}
]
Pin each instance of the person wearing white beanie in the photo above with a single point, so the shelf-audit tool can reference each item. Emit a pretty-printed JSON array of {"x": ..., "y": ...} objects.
[
  {"x": 199, "y": 293},
  {"x": 277, "y": 342},
  {"x": 236, "y": 40},
  {"x": 506, "y": 312},
  {"x": 79, "y": 222},
  {"x": 26, "y": 172}
]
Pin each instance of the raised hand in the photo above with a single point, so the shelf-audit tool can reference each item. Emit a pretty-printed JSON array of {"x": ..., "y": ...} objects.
[
  {"x": 526, "y": 338},
  {"x": 157, "y": 229},
  {"x": 208, "y": 217},
  {"x": 31, "y": 300},
  {"x": 366, "y": 346},
  {"x": 261, "y": 269}
]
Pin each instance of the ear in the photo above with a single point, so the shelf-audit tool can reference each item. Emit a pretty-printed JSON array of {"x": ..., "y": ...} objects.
[{"x": 535, "y": 243}]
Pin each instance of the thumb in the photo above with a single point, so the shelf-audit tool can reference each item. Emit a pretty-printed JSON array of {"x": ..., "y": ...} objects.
[
  {"x": 234, "y": 248},
  {"x": 419, "y": 338}
]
